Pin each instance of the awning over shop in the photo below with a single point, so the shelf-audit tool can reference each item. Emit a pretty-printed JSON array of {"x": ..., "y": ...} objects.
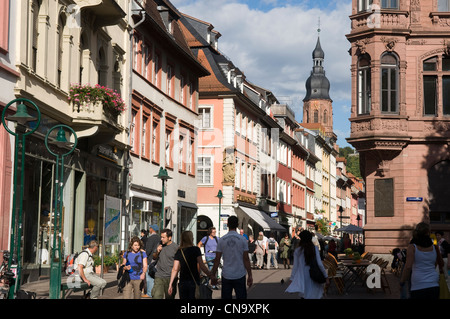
[
  {"x": 262, "y": 219},
  {"x": 145, "y": 196},
  {"x": 187, "y": 204}
]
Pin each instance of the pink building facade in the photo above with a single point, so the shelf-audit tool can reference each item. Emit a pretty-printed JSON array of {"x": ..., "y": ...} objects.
[
  {"x": 234, "y": 142},
  {"x": 400, "y": 116},
  {"x": 8, "y": 77}
]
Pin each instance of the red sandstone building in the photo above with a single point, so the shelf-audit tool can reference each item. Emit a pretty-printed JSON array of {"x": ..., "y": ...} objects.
[{"x": 400, "y": 115}]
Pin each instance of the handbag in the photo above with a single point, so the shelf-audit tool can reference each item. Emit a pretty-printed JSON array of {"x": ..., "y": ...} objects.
[
  {"x": 197, "y": 288},
  {"x": 443, "y": 288},
  {"x": 152, "y": 268},
  {"x": 315, "y": 272}
]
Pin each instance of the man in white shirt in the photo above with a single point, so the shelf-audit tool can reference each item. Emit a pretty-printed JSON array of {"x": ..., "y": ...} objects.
[
  {"x": 265, "y": 240},
  {"x": 233, "y": 248},
  {"x": 85, "y": 268},
  {"x": 272, "y": 249}
]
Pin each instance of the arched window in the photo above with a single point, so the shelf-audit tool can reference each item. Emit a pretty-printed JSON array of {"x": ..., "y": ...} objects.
[
  {"x": 389, "y": 83},
  {"x": 325, "y": 117},
  {"x": 316, "y": 116},
  {"x": 364, "y": 85}
]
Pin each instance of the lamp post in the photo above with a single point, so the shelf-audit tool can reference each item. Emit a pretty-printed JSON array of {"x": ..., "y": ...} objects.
[
  {"x": 21, "y": 117},
  {"x": 61, "y": 143},
  {"x": 163, "y": 176},
  {"x": 341, "y": 210},
  {"x": 220, "y": 196}
]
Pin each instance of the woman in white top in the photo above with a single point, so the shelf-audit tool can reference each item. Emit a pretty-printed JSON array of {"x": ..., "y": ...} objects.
[
  {"x": 259, "y": 251},
  {"x": 420, "y": 269},
  {"x": 301, "y": 281}
]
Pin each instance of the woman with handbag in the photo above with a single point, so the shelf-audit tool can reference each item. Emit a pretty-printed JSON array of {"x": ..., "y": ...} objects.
[
  {"x": 307, "y": 265},
  {"x": 187, "y": 261},
  {"x": 135, "y": 263}
]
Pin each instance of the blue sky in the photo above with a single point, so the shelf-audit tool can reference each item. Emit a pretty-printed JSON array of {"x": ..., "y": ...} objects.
[{"x": 272, "y": 41}]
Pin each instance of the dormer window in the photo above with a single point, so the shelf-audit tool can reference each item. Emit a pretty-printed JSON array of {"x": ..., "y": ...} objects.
[{"x": 170, "y": 26}]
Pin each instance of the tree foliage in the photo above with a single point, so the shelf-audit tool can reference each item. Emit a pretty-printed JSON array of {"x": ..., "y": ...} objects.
[
  {"x": 322, "y": 226},
  {"x": 352, "y": 159}
]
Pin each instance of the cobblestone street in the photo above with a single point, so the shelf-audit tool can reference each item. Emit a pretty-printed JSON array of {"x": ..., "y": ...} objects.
[{"x": 268, "y": 284}]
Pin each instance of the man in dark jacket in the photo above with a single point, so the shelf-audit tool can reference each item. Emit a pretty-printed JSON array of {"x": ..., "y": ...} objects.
[{"x": 153, "y": 240}]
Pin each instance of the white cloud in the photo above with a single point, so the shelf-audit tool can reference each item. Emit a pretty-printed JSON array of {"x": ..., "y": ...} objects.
[{"x": 274, "y": 48}]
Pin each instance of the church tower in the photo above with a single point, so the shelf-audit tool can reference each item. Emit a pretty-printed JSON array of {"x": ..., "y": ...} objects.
[{"x": 317, "y": 104}]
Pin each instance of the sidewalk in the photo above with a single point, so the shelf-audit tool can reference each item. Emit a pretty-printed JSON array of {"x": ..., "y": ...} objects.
[{"x": 267, "y": 284}]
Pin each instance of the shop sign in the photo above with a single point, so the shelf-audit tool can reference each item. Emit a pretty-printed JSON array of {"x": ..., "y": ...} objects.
[
  {"x": 246, "y": 199},
  {"x": 107, "y": 152}
]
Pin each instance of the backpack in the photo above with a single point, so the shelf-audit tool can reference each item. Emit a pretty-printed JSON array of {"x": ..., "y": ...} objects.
[
  {"x": 69, "y": 265},
  {"x": 271, "y": 244}
]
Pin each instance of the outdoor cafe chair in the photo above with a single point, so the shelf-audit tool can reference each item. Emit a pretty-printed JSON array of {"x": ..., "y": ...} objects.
[{"x": 334, "y": 277}]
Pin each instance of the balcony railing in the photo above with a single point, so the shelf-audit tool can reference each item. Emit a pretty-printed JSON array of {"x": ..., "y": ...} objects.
[
  {"x": 379, "y": 19},
  {"x": 94, "y": 113}
]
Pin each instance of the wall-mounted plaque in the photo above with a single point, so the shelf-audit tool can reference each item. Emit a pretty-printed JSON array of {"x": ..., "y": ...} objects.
[{"x": 384, "y": 197}]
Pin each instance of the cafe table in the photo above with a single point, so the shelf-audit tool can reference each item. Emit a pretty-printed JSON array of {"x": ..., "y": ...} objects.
[
  {"x": 355, "y": 272},
  {"x": 342, "y": 257}
]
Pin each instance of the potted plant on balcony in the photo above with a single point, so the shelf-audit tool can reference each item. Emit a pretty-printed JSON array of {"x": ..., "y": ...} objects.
[{"x": 81, "y": 94}]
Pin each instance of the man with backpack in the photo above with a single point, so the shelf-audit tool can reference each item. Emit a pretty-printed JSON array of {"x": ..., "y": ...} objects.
[
  {"x": 272, "y": 249},
  {"x": 85, "y": 268},
  {"x": 153, "y": 241}
]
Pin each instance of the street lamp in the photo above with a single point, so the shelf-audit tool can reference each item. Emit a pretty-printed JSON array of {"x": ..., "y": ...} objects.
[
  {"x": 21, "y": 117},
  {"x": 219, "y": 196},
  {"x": 163, "y": 176},
  {"x": 61, "y": 144},
  {"x": 341, "y": 209}
]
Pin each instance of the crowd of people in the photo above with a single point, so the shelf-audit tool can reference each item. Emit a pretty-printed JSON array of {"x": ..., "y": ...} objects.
[{"x": 179, "y": 268}]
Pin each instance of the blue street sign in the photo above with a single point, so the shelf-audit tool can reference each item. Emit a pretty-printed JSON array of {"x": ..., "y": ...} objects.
[{"x": 414, "y": 199}]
